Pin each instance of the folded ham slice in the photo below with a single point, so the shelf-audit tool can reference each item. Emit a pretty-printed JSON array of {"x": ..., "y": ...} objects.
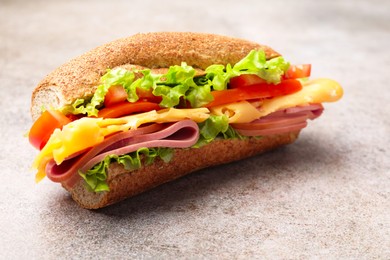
[
  {"x": 176, "y": 135},
  {"x": 283, "y": 121}
]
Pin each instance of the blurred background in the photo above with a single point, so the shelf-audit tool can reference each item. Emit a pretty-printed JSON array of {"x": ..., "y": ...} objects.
[{"x": 327, "y": 196}]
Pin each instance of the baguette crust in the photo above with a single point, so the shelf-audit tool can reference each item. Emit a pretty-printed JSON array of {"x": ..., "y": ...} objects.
[
  {"x": 124, "y": 184},
  {"x": 79, "y": 77}
]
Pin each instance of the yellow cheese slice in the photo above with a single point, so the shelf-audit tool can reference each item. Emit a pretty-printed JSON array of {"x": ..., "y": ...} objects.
[
  {"x": 313, "y": 91},
  {"x": 239, "y": 112}
]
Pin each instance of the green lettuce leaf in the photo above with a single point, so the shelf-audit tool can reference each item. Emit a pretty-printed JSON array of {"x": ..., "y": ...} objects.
[
  {"x": 170, "y": 95},
  {"x": 180, "y": 83},
  {"x": 215, "y": 126},
  {"x": 254, "y": 63},
  {"x": 147, "y": 82},
  {"x": 111, "y": 78},
  {"x": 200, "y": 95},
  {"x": 230, "y": 133},
  {"x": 220, "y": 76},
  {"x": 96, "y": 177}
]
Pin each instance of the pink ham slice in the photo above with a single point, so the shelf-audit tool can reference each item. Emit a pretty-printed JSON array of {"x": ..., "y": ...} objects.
[
  {"x": 177, "y": 135},
  {"x": 283, "y": 121}
]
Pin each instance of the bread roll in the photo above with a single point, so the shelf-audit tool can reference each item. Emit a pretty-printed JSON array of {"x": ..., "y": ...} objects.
[{"x": 79, "y": 78}]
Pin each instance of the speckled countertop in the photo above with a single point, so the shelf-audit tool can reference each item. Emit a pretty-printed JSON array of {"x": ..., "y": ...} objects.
[{"x": 324, "y": 197}]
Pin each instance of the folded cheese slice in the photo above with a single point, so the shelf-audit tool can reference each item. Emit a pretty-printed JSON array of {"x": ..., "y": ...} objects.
[{"x": 312, "y": 92}]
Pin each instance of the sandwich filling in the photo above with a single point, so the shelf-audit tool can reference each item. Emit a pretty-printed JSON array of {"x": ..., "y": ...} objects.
[{"x": 136, "y": 116}]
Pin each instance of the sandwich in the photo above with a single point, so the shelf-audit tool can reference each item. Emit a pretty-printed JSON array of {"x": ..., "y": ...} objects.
[{"x": 144, "y": 110}]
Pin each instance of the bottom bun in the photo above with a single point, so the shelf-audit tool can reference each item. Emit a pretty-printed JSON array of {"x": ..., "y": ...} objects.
[{"x": 124, "y": 184}]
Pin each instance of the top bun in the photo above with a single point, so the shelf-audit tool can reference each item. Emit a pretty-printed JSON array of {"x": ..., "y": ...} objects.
[{"x": 79, "y": 77}]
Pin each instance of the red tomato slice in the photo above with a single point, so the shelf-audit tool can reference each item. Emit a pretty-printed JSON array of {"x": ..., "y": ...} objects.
[
  {"x": 257, "y": 91},
  {"x": 245, "y": 80},
  {"x": 147, "y": 95},
  {"x": 298, "y": 71},
  {"x": 115, "y": 94},
  {"x": 127, "y": 108},
  {"x": 45, "y": 125}
]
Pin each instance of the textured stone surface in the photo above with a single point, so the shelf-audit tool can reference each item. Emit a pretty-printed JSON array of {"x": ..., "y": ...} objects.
[{"x": 326, "y": 196}]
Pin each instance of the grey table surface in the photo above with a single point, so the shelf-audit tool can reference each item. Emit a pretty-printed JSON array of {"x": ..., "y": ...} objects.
[{"x": 325, "y": 197}]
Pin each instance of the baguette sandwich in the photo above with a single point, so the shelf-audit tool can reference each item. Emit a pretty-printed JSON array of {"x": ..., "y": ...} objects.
[{"x": 144, "y": 110}]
